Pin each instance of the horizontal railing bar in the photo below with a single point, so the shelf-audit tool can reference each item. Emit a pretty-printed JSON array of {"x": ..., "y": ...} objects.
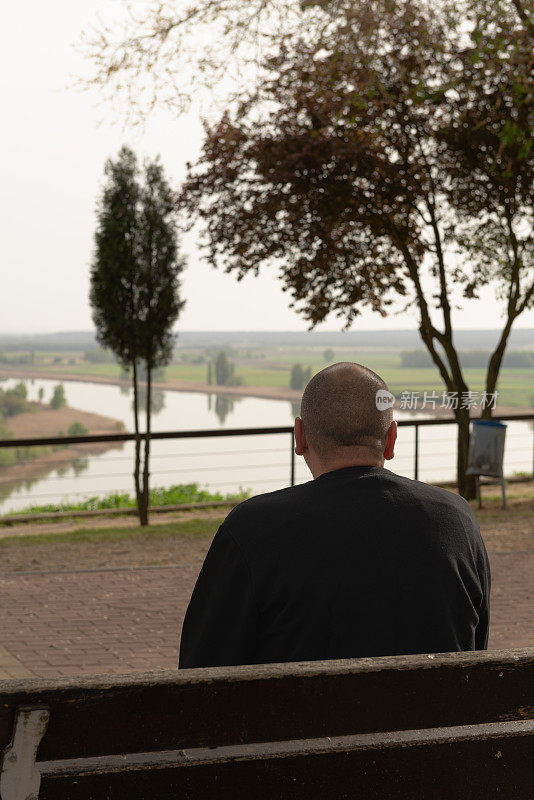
[
  {"x": 132, "y": 437},
  {"x": 199, "y": 434}
]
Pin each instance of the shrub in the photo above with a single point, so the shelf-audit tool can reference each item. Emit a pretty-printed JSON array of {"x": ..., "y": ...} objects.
[
  {"x": 58, "y": 397},
  {"x": 13, "y": 401},
  {"x": 77, "y": 429}
]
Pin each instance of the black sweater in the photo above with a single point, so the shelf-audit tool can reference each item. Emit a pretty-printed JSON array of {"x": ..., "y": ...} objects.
[{"x": 359, "y": 562}]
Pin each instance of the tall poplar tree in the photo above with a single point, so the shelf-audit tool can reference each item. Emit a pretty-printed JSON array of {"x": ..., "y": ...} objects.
[{"x": 134, "y": 290}]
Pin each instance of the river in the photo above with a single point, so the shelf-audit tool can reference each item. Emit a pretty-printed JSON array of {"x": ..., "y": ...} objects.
[{"x": 226, "y": 464}]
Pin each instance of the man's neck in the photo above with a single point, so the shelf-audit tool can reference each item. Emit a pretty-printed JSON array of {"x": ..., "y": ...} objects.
[{"x": 321, "y": 467}]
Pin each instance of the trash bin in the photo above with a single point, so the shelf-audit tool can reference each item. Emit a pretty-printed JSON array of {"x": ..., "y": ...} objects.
[{"x": 486, "y": 452}]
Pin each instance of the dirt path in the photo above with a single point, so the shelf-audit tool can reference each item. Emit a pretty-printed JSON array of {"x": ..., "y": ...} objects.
[{"x": 130, "y": 547}]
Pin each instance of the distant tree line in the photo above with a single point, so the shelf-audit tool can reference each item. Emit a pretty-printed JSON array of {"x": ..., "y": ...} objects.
[
  {"x": 99, "y": 355},
  {"x": 471, "y": 358},
  {"x": 15, "y": 401},
  {"x": 18, "y": 358},
  {"x": 299, "y": 376},
  {"x": 188, "y": 358}
]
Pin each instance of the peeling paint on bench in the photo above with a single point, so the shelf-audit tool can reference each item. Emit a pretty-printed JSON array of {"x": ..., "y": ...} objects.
[{"x": 20, "y": 779}]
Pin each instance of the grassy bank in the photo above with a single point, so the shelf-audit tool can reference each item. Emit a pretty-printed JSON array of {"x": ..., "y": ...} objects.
[
  {"x": 502, "y": 530},
  {"x": 194, "y": 526},
  {"x": 173, "y": 495}
]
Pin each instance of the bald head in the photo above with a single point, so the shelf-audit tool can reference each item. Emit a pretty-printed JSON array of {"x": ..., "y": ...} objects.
[{"x": 339, "y": 410}]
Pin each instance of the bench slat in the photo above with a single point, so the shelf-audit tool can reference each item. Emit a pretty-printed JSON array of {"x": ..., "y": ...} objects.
[
  {"x": 227, "y": 706},
  {"x": 465, "y": 767}
]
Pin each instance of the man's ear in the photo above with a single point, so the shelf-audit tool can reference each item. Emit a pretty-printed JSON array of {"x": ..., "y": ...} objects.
[
  {"x": 389, "y": 450},
  {"x": 301, "y": 445}
]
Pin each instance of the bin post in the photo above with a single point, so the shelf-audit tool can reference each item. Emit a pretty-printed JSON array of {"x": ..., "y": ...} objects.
[
  {"x": 292, "y": 473},
  {"x": 416, "y": 453}
]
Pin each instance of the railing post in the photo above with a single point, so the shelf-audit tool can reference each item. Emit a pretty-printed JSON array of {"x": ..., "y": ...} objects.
[
  {"x": 292, "y": 477},
  {"x": 416, "y": 454}
]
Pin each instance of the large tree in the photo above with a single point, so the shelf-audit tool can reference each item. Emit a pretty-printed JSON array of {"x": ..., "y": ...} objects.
[
  {"x": 392, "y": 157},
  {"x": 135, "y": 284}
]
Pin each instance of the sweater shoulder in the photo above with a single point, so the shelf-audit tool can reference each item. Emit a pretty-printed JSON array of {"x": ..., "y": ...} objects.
[{"x": 270, "y": 504}]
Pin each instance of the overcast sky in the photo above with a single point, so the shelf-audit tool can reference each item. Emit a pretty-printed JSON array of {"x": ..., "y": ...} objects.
[{"x": 54, "y": 145}]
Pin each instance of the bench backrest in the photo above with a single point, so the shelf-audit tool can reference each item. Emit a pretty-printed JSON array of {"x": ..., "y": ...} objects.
[{"x": 108, "y": 716}]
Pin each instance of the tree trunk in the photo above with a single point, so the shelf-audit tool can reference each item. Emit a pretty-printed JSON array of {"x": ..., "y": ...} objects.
[
  {"x": 466, "y": 483},
  {"x": 494, "y": 365},
  {"x": 144, "y": 519},
  {"x": 454, "y": 382},
  {"x": 137, "y": 465}
]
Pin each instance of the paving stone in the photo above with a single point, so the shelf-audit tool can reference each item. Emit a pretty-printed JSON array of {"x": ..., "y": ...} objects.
[{"x": 79, "y": 623}]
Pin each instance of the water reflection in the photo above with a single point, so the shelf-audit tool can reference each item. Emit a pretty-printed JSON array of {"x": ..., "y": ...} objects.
[
  {"x": 9, "y": 487},
  {"x": 79, "y": 466},
  {"x": 42, "y": 465},
  {"x": 223, "y": 407},
  {"x": 157, "y": 401}
]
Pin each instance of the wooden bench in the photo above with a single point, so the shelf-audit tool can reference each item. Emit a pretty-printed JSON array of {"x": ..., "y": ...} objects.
[{"x": 454, "y": 726}]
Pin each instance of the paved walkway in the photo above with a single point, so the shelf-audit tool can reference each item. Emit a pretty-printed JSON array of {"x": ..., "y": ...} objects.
[{"x": 127, "y": 620}]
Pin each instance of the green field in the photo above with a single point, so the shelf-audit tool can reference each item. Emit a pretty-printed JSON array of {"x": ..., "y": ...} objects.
[{"x": 271, "y": 366}]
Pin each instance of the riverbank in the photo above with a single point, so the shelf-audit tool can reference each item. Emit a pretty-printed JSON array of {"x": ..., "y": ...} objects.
[
  {"x": 197, "y": 387},
  {"x": 170, "y": 385},
  {"x": 44, "y": 421}
]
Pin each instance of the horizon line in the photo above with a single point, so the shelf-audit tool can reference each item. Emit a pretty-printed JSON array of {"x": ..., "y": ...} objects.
[{"x": 267, "y": 330}]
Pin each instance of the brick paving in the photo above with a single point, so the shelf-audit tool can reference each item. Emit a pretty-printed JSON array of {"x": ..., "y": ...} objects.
[{"x": 128, "y": 620}]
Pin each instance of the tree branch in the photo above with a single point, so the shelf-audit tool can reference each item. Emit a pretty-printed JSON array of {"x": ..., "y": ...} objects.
[{"x": 523, "y": 16}]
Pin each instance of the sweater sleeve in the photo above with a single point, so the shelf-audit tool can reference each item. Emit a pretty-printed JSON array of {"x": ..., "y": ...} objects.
[
  {"x": 220, "y": 626},
  {"x": 482, "y": 630}
]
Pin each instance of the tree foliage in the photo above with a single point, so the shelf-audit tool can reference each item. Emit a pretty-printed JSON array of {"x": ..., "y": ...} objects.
[
  {"x": 14, "y": 401},
  {"x": 299, "y": 376},
  {"x": 224, "y": 370},
  {"x": 391, "y": 159},
  {"x": 167, "y": 52},
  {"x": 58, "y": 399}
]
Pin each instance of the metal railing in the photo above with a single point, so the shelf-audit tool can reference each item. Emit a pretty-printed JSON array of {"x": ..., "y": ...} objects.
[{"x": 218, "y": 432}]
